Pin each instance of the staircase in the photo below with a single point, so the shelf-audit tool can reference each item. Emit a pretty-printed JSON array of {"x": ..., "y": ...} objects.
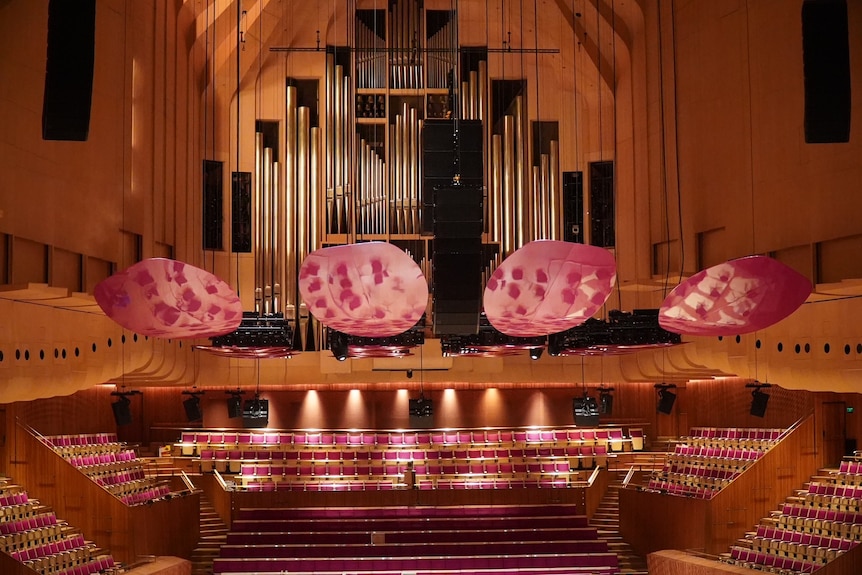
[
  {"x": 607, "y": 520},
  {"x": 213, "y": 536}
]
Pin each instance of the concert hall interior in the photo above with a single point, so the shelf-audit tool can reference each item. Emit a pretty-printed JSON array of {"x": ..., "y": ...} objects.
[{"x": 583, "y": 272}]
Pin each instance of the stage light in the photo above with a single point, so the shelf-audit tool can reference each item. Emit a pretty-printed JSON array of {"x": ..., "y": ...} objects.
[
  {"x": 536, "y": 353},
  {"x": 338, "y": 344}
]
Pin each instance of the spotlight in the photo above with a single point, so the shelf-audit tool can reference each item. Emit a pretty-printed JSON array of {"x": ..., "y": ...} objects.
[
  {"x": 536, "y": 353},
  {"x": 192, "y": 405},
  {"x": 666, "y": 398},
  {"x": 338, "y": 344},
  {"x": 759, "y": 399},
  {"x": 409, "y": 374},
  {"x": 234, "y": 403}
]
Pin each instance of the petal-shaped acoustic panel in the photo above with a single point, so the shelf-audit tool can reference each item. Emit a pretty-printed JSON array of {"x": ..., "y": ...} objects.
[
  {"x": 371, "y": 289},
  {"x": 739, "y": 296},
  {"x": 160, "y": 297},
  {"x": 243, "y": 352},
  {"x": 548, "y": 286}
]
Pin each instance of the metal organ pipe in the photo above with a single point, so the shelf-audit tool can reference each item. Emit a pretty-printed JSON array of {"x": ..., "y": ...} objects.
[{"x": 555, "y": 192}]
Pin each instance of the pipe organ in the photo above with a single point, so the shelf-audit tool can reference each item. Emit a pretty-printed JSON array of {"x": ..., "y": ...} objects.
[
  {"x": 404, "y": 66},
  {"x": 286, "y": 208}
]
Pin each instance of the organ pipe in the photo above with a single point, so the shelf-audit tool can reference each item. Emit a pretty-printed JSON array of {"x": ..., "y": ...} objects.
[
  {"x": 290, "y": 197},
  {"x": 555, "y": 192}
]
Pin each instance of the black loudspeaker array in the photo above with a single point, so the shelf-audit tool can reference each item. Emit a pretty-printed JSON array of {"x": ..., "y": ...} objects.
[
  {"x": 441, "y": 161},
  {"x": 666, "y": 399},
  {"x": 586, "y": 411},
  {"x": 456, "y": 215},
  {"x": 192, "y": 406},
  {"x": 122, "y": 411},
  {"x": 212, "y": 205},
  {"x": 826, "y": 63},
  {"x": 573, "y": 207},
  {"x": 759, "y": 401},
  {"x": 69, "y": 70}
]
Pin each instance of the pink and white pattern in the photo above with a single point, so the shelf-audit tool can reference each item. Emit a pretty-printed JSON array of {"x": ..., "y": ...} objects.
[
  {"x": 370, "y": 289},
  {"x": 160, "y": 297},
  {"x": 242, "y": 352},
  {"x": 548, "y": 286},
  {"x": 736, "y": 297}
]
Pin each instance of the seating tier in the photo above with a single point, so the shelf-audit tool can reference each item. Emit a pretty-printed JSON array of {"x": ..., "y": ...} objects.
[{"x": 444, "y": 540}]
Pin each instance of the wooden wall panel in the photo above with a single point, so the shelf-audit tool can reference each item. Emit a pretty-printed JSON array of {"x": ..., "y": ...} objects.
[
  {"x": 652, "y": 521},
  {"x": 164, "y": 528},
  {"x": 673, "y": 562}
]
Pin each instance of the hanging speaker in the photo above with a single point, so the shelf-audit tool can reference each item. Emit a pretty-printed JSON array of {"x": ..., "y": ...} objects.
[
  {"x": 759, "y": 400},
  {"x": 192, "y": 405},
  {"x": 826, "y": 66},
  {"x": 586, "y": 411},
  {"x": 122, "y": 411},
  {"x": 234, "y": 406},
  {"x": 69, "y": 70},
  {"x": 666, "y": 399}
]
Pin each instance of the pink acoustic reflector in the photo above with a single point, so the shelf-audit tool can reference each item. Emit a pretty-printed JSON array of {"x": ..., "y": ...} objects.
[
  {"x": 159, "y": 297},
  {"x": 244, "y": 352},
  {"x": 371, "y": 289},
  {"x": 548, "y": 286},
  {"x": 739, "y": 296}
]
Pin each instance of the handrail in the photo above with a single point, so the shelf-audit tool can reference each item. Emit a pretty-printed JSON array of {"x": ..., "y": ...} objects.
[
  {"x": 220, "y": 479},
  {"x": 594, "y": 475},
  {"x": 629, "y": 476},
  {"x": 188, "y": 481}
]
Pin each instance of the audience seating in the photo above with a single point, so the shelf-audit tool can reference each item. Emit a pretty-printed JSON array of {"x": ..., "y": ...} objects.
[
  {"x": 811, "y": 528},
  {"x": 31, "y": 534},
  {"x": 363, "y": 461},
  {"x": 710, "y": 458},
  {"x": 438, "y": 540},
  {"x": 106, "y": 461}
]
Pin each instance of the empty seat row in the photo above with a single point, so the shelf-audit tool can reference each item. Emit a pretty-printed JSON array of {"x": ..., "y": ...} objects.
[
  {"x": 737, "y": 433},
  {"x": 469, "y": 518},
  {"x": 699, "y": 451},
  {"x": 334, "y": 484},
  {"x": 81, "y": 439},
  {"x": 751, "y": 558},
  {"x": 192, "y": 442},
  {"x": 101, "y": 458}
]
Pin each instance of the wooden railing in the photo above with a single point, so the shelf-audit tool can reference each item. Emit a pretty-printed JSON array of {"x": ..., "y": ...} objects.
[
  {"x": 652, "y": 521},
  {"x": 165, "y": 527}
]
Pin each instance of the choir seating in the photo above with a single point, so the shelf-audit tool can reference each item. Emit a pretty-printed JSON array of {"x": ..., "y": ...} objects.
[
  {"x": 812, "y": 528},
  {"x": 439, "y": 540},
  {"x": 31, "y": 534},
  {"x": 111, "y": 464},
  {"x": 444, "y": 459},
  {"x": 707, "y": 460}
]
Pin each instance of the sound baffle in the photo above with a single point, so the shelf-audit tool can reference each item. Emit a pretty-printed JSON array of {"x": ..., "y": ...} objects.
[
  {"x": 69, "y": 70},
  {"x": 826, "y": 65}
]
